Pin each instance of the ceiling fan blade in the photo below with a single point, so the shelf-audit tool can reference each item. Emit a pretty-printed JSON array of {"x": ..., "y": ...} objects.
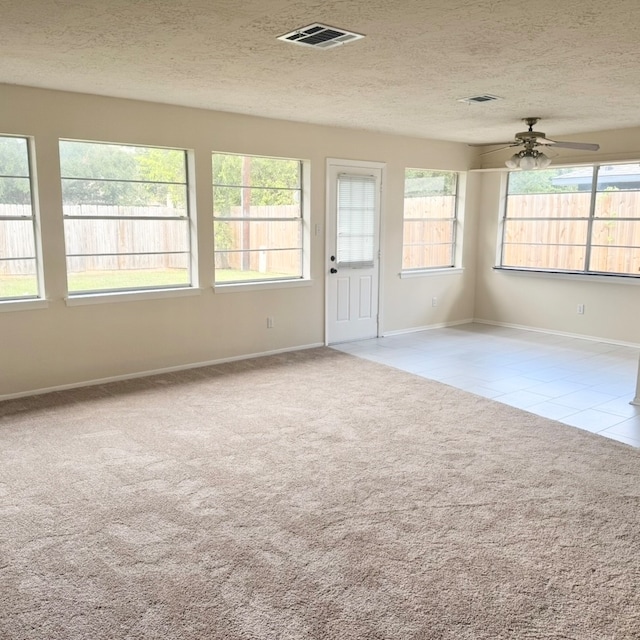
[
  {"x": 584, "y": 146},
  {"x": 491, "y": 144},
  {"x": 484, "y": 153}
]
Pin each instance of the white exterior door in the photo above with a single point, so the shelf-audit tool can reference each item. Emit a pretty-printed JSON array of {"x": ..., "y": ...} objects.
[{"x": 353, "y": 247}]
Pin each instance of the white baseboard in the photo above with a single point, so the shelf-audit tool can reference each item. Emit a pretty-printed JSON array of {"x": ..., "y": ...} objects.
[
  {"x": 565, "y": 334},
  {"x": 439, "y": 325},
  {"x": 153, "y": 372}
]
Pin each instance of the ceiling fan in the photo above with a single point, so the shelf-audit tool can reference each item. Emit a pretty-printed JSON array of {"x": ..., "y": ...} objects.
[{"x": 529, "y": 157}]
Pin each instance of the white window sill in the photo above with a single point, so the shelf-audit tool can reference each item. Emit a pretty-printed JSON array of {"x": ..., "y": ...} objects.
[
  {"x": 557, "y": 275},
  {"x": 23, "y": 305},
  {"x": 419, "y": 273},
  {"x": 235, "y": 287},
  {"x": 129, "y": 296}
]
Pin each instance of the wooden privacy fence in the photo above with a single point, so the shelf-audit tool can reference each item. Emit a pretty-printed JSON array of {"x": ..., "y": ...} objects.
[
  {"x": 274, "y": 244},
  {"x": 609, "y": 204},
  {"x": 16, "y": 240},
  {"x": 429, "y": 207},
  {"x": 261, "y": 243},
  {"x": 559, "y": 243},
  {"x": 144, "y": 243}
]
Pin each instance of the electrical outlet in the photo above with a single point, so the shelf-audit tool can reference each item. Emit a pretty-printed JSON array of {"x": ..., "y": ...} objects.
[
  {"x": 269, "y": 322},
  {"x": 581, "y": 309},
  {"x": 434, "y": 301}
]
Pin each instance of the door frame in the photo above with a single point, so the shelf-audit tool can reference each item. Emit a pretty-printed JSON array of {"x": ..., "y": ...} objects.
[{"x": 359, "y": 164}]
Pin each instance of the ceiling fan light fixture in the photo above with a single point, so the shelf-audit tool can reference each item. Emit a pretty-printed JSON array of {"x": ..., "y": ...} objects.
[
  {"x": 513, "y": 162},
  {"x": 542, "y": 161},
  {"x": 527, "y": 160}
]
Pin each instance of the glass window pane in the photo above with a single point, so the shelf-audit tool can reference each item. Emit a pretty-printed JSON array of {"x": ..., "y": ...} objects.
[
  {"x": 107, "y": 273},
  {"x": 17, "y": 239},
  {"x": 255, "y": 171},
  {"x": 355, "y": 220},
  {"x": 238, "y": 202},
  {"x": 14, "y": 157},
  {"x": 430, "y": 207},
  {"x": 561, "y": 258},
  {"x": 429, "y": 219},
  {"x": 251, "y": 235},
  {"x": 428, "y": 256},
  {"x": 615, "y": 260},
  {"x": 428, "y": 232},
  {"x": 549, "y": 205},
  {"x": 546, "y": 232},
  {"x": 15, "y": 196},
  {"x": 18, "y": 265},
  {"x": 227, "y": 202},
  {"x": 267, "y": 264},
  {"x": 18, "y": 279},
  {"x": 565, "y": 180},
  {"x": 423, "y": 183},
  {"x": 92, "y": 160},
  {"x": 621, "y": 233},
  {"x": 94, "y": 237},
  {"x": 262, "y": 198},
  {"x": 618, "y": 204},
  {"x": 619, "y": 177},
  {"x": 123, "y": 198},
  {"x": 558, "y": 204},
  {"x": 111, "y": 196}
]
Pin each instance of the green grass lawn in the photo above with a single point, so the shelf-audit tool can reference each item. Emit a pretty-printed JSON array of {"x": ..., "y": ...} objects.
[
  {"x": 26, "y": 286},
  {"x": 18, "y": 286}
]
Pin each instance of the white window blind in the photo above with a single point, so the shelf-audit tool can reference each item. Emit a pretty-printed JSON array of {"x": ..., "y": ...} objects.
[{"x": 356, "y": 220}]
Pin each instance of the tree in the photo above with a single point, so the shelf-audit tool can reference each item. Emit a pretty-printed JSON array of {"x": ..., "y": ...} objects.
[
  {"x": 538, "y": 181},
  {"x": 425, "y": 183},
  {"x": 166, "y": 167},
  {"x": 242, "y": 183},
  {"x": 97, "y": 174},
  {"x": 273, "y": 182},
  {"x": 14, "y": 171}
]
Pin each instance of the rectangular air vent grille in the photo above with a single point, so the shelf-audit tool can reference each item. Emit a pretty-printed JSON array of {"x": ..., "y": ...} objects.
[
  {"x": 487, "y": 97},
  {"x": 320, "y": 36}
]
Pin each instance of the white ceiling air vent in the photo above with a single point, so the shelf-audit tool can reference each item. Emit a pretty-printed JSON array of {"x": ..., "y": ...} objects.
[
  {"x": 487, "y": 97},
  {"x": 320, "y": 36}
]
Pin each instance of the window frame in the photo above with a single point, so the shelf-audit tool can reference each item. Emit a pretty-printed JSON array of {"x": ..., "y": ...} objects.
[
  {"x": 587, "y": 272},
  {"x": 456, "y": 223},
  {"x": 39, "y": 296},
  {"x": 303, "y": 190},
  {"x": 189, "y": 219}
]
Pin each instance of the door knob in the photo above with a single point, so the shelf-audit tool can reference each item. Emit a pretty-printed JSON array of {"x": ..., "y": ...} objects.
[{"x": 333, "y": 270}]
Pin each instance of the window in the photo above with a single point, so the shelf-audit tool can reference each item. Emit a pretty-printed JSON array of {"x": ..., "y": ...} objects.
[
  {"x": 126, "y": 217},
  {"x": 575, "y": 220},
  {"x": 356, "y": 220},
  {"x": 258, "y": 218},
  {"x": 18, "y": 254},
  {"x": 430, "y": 219}
]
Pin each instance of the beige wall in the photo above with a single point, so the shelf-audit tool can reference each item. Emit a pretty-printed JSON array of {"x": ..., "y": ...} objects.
[{"x": 65, "y": 345}]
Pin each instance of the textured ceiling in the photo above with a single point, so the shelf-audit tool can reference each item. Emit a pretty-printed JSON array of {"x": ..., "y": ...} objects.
[{"x": 575, "y": 63}]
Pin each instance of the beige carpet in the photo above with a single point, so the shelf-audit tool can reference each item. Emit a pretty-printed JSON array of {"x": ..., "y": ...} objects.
[{"x": 310, "y": 495}]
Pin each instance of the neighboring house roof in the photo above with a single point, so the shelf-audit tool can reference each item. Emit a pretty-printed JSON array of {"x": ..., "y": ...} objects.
[{"x": 623, "y": 176}]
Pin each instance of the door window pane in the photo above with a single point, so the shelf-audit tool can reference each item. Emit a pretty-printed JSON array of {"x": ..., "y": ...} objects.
[{"x": 356, "y": 218}]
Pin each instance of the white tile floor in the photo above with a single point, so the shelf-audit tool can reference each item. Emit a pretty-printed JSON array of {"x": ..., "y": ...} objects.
[{"x": 582, "y": 383}]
